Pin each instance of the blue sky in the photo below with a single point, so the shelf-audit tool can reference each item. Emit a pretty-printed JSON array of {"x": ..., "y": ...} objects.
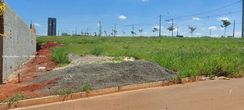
[{"x": 83, "y": 15}]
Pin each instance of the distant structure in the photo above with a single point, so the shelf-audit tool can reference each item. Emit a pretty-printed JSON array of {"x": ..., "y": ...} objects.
[
  {"x": 33, "y": 28},
  {"x": 52, "y": 27}
]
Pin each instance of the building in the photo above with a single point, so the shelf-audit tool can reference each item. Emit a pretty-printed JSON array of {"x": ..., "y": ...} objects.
[{"x": 52, "y": 27}]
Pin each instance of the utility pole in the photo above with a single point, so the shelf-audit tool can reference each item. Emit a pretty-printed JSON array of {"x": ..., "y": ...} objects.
[
  {"x": 87, "y": 32},
  {"x": 160, "y": 25},
  {"x": 133, "y": 30},
  {"x": 100, "y": 29},
  {"x": 234, "y": 29},
  {"x": 177, "y": 31},
  {"x": 75, "y": 31},
  {"x": 242, "y": 19},
  {"x": 210, "y": 32},
  {"x": 173, "y": 27},
  {"x": 114, "y": 30}
]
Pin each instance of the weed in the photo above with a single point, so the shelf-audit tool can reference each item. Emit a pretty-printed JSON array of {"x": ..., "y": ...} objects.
[
  {"x": 65, "y": 92},
  {"x": 86, "y": 88},
  {"x": 15, "y": 99}
]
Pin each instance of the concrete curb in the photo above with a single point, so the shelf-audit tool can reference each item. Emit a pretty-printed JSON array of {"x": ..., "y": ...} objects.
[
  {"x": 140, "y": 86},
  {"x": 74, "y": 96}
]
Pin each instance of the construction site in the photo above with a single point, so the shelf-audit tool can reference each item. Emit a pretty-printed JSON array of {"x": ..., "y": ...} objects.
[{"x": 97, "y": 70}]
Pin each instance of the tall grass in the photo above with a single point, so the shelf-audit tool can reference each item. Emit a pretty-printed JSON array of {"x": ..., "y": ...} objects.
[
  {"x": 60, "y": 56},
  {"x": 186, "y": 56}
]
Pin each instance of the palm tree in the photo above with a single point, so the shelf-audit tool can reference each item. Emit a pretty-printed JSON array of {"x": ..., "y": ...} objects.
[
  {"x": 155, "y": 29},
  {"x": 140, "y": 31},
  {"x": 133, "y": 33},
  {"x": 106, "y": 33},
  {"x": 192, "y": 29},
  {"x": 225, "y": 24},
  {"x": 171, "y": 29},
  {"x": 114, "y": 32}
]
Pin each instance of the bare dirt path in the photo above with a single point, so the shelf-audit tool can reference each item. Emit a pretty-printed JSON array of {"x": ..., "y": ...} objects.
[{"x": 209, "y": 95}]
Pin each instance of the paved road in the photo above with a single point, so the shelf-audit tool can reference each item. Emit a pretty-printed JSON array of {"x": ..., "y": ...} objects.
[{"x": 209, "y": 95}]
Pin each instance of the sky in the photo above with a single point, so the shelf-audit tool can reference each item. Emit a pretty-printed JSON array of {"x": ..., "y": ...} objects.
[{"x": 76, "y": 16}]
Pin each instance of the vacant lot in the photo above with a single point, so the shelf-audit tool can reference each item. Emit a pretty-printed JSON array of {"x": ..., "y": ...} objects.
[{"x": 186, "y": 56}]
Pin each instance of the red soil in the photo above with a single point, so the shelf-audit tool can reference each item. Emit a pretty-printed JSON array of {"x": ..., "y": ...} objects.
[{"x": 31, "y": 70}]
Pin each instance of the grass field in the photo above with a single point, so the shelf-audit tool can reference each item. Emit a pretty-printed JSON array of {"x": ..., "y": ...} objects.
[{"x": 186, "y": 56}]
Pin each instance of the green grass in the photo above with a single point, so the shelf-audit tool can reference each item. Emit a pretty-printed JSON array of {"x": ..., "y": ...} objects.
[
  {"x": 186, "y": 56},
  {"x": 60, "y": 56}
]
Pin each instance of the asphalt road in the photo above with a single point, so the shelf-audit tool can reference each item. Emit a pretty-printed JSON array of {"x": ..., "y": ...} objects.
[{"x": 209, "y": 95}]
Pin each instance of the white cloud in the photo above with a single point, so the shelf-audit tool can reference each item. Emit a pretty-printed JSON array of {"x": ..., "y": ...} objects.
[
  {"x": 157, "y": 27},
  {"x": 224, "y": 18},
  {"x": 122, "y": 17},
  {"x": 238, "y": 33},
  {"x": 145, "y": 0},
  {"x": 196, "y": 19},
  {"x": 199, "y": 34},
  {"x": 221, "y": 28},
  {"x": 214, "y": 28},
  {"x": 37, "y": 24}
]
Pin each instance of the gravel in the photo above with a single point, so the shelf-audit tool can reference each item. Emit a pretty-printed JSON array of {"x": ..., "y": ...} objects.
[{"x": 106, "y": 75}]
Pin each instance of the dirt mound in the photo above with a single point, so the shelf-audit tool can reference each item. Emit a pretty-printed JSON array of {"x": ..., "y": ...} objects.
[{"x": 106, "y": 75}]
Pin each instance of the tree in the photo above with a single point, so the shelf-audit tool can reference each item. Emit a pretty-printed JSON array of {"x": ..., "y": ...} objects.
[
  {"x": 133, "y": 33},
  {"x": 192, "y": 29},
  {"x": 140, "y": 31},
  {"x": 124, "y": 33},
  {"x": 155, "y": 29},
  {"x": 106, "y": 33},
  {"x": 114, "y": 32},
  {"x": 171, "y": 29},
  {"x": 225, "y": 24}
]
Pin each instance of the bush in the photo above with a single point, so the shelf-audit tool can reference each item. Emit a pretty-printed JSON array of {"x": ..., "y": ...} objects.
[{"x": 60, "y": 56}]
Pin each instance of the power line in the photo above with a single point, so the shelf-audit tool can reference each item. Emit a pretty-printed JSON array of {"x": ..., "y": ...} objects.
[
  {"x": 209, "y": 11},
  {"x": 227, "y": 13}
]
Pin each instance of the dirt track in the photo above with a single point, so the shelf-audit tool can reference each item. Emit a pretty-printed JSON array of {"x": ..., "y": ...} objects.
[{"x": 210, "y": 95}]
